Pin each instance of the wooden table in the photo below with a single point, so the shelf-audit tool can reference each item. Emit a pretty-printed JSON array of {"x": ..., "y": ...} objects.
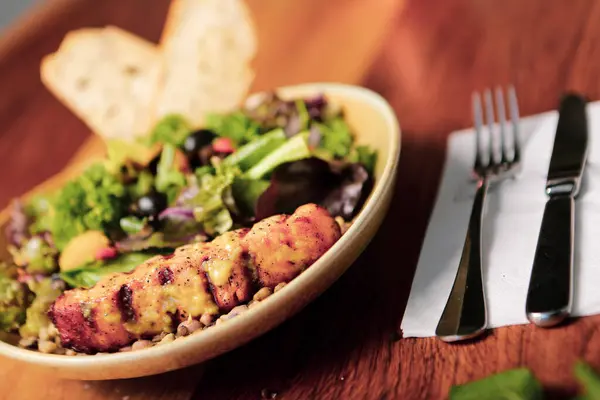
[{"x": 425, "y": 57}]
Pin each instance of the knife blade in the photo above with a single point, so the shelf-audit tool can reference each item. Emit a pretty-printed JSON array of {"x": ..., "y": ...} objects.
[{"x": 549, "y": 296}]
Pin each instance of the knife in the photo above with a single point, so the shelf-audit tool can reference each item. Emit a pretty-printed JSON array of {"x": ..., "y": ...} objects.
[{"x": 550, "y": 287}]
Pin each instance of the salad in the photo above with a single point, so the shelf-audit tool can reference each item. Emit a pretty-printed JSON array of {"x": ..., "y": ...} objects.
[{"x": 173, "y": 187}]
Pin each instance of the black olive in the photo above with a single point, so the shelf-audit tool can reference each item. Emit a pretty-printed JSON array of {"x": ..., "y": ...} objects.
[
  {"x": 197, "y": 140},
  {"x": 151, "y": 205},
  {"x": 196, "y": 146},
  {"x": 153, "y": 165}
]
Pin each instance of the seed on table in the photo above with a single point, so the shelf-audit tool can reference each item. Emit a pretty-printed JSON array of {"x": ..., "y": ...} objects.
[
  {"x": 124, "y": 349},
  {"x": 70, "y": 352},
  {"x": 262, "y": 294},
  {"x": 141, "y": 344}
]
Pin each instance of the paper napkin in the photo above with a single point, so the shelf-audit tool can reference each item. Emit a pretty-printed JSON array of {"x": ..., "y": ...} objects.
[{"x": 510, "y": 230}]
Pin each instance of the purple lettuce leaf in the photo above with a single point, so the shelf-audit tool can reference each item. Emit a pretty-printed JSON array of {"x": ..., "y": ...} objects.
[
  {"x": 177, "y": 227},
  {"x": 341, "y": 188}
]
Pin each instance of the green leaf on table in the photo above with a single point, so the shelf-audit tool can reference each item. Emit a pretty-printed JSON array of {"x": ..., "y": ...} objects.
[
  {"x": 589, "y": 379},
  {"x": 514, "y": 384}
]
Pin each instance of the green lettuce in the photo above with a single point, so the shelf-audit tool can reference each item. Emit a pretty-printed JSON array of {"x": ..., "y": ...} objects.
[
  {"x": 172, "y": 129},
  {"x": 236, "y": 126},
  {"x": 88, "y": 275},
  {"x": 169, "y": 180},
  {"x": 96, "y": 200}
]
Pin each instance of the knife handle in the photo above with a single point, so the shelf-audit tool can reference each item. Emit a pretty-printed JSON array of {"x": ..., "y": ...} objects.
[{"x": 550, "y": 286}]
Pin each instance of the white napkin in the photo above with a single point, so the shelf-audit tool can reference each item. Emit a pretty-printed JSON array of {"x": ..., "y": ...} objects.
[{"x": 510, "y": 230}]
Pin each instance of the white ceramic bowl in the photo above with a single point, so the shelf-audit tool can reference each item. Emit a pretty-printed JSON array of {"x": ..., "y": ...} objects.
[{"x": 374, "y": 123}]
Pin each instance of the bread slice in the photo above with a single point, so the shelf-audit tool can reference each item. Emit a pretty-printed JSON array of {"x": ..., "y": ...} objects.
[
  {"x": 108, "y": 77},
  {"x": 207, "y": 48}
]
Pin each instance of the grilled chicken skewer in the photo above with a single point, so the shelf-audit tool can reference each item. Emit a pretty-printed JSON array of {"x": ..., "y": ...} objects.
[{"x": 204, "y": 278}]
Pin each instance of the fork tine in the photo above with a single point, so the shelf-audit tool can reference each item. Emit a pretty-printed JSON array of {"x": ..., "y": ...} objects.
[
  {"x": 501, "y": 114},
  {"x": 489, "y": 108},
  {"x": 478, "y": 124},
  {"x": 514, "y": 117}
]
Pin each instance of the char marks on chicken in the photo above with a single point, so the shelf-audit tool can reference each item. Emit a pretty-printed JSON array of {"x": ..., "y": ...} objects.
[{"x": 197, "y": 279}]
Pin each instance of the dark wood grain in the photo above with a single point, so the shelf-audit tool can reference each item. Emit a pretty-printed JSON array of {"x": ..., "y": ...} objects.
[{"x": 425, "y": 57}]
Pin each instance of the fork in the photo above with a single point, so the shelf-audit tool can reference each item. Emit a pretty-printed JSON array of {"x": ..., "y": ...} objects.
[{"x": 465, "y": 315}]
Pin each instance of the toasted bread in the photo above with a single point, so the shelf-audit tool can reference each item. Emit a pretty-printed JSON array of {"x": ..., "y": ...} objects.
[
  {"x": 207, "y": 48},
  {"x": 108, "y": 77}
]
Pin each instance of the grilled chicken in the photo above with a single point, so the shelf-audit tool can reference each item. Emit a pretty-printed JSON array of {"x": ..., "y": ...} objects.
[
  {"x": 225, "y": 262},
  {"x": 205, "y": 278},
  {"x": 283, "y": 246}
]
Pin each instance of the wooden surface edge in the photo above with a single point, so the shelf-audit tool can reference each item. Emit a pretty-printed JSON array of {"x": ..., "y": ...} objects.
[
  {"x": 90, "y": 151},
  {"x": 31, "y": 22}
]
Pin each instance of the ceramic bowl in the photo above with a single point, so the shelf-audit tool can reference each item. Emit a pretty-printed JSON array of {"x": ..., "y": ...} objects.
[{"x": 374, "y": 123}]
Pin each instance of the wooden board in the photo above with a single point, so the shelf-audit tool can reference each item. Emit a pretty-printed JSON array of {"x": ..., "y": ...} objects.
[{"x": 300, "y": 42}]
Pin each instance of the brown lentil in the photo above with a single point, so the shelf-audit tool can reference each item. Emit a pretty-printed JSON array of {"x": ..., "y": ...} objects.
[
  {"x": 159, "y": 337},
  {"x": 27, "y": 341},
  {"x": 187, "y": 327},
  {"x": 167, "y": 339},
  {"x": 49, "y": 338},
  {"x": 206, "y": 319},
  {"x": 279, "y": 287},
  {"x": 235, "y": 311},
  {"x": 52, "y": 331},
  {"x": 141, "y": 344},
  {"x": 46, "y": 346},
  {"x": 262, "y": 294},
  {"x": 43, "y": 334}
]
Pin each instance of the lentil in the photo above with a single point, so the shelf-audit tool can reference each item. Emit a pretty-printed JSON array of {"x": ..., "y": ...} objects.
[
  {"x": 141, "y": 344},
  {"x": 262, "y": 294}
]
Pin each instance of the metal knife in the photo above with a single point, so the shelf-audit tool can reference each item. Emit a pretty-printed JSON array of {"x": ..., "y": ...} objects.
[{"x": 550, "y": 287}]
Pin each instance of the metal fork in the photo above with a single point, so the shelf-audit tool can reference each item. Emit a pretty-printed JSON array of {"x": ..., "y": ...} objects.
[{"x": 464, "y": 316}]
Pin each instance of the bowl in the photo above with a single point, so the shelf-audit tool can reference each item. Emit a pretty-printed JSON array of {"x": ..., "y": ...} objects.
[{"x": 374, "y": 123}]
